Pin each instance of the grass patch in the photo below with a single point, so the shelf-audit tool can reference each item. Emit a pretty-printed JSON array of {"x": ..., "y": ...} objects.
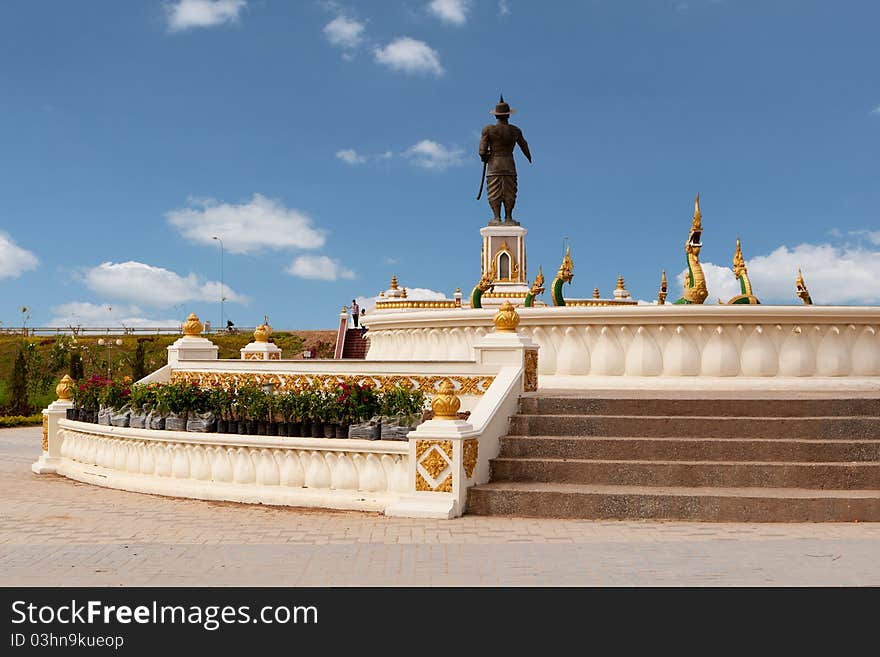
[{"x": 20, "y": 420}]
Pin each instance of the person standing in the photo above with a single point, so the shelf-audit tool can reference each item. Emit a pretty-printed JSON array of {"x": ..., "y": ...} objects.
[{"x": 355, "y": 312}]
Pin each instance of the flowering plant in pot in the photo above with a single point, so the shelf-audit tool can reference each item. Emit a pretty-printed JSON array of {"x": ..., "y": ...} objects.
[
  {"x": 313, "y": 403},
  {"x": 221, "y": 401},
  {"x": 245, "y": 406},
  {"x": 356, "y": 403},
  {"x": 86, "y": 397},
  {"x": 331, "y": 410},
  {"x": 259, "y": 409},
  {"x": 401, "y": 409},
  {"x": 114, "y": 402},
  {"x": 201, "y": 416},
  {"x": 178, "y": 399},
  {"x": 288, "y": 404},
  {"x": 142, "y": 400}
]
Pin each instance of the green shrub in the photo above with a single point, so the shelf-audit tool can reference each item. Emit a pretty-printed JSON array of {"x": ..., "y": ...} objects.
[{"x": 20, "y": 420}]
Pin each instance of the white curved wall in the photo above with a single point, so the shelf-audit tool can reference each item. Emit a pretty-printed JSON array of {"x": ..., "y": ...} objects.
[
  {"x": 345, "y": 474},
  {"x": 670, "y": 340}
]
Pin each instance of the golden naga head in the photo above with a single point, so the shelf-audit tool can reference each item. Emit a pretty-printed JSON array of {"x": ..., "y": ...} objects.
[
  {"x": 739, "y": 263},
  {"x": 802, "y": 291},
  {"x": 566, "y": 269},
  {"x": 693, "y": 244},
  {"x": 538, "y": 285},
  {"x": 487, "y": 282}
]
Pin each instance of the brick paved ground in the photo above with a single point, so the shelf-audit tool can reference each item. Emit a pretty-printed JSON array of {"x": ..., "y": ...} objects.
[{"x": 54, "y": 531}]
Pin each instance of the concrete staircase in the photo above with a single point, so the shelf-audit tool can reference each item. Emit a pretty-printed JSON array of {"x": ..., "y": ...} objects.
[
  {"x": 748, "y": 460},
  {"x": 356, "y": 345}
]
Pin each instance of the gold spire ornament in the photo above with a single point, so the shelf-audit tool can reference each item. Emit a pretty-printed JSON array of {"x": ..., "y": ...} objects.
[
  {"x": 403, "y": 293},
  {"x": 802, "y": 291},
  {"x": 661, "y": 295},
  {"x": 506, "y": 319},
  {"x": 596, "y": 293},
  {"x": 446, "y": 404},
  {"x": 192, "y": 327},
  {"x": 64, "y": 389},
  {"x": 393, "y": 281}
]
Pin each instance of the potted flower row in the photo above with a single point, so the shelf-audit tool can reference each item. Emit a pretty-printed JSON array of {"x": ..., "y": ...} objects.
[{"x": 319, "y": 411}]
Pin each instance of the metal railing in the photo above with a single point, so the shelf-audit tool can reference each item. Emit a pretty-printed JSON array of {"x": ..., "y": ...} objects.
[{"x": 115, "y": 330}]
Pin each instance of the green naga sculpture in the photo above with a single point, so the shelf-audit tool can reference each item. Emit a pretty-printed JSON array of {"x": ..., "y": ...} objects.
[
  {"x": 739, "y": 268},
  {"x": 564, "y": 275},
  {"x": 695, "y": 284},
  {"x": 537, "y": 288},
  {"x": 487, "y": 282},
  {"x": 802, "y": 291}
]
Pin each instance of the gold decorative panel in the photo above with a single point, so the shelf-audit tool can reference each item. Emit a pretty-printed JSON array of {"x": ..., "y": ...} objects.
[
  {"x": 433, "y": 458},
  {"x": 45, "y": 433},
  {"x": 530, "y": 375},
  {"x": 470, "y": 452},
  {"x": 465, "y": 385}
]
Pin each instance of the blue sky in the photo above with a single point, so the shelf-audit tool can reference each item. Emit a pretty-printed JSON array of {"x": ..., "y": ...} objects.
[{"x": 331, "y": 144}]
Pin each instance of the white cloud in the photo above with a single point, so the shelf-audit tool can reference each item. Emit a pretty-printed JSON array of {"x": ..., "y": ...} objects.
[
  {"x": 431, "y": 155},
  {"x": 141, "y": 283},
  {"x": 319, "y": 268},
  {"x": 503, "y": 8},
  {"x": 188, "y": 14},
  {"x": 82, "y": 313},
  {"x": 246, "y": 228},
  {"x": 833, "y": 274},
  {"x": 409, "y": 56},
  {"x": 14, "y": 260},
  {"x": 350, "y": 156},
  {"x": 876, "y": 110},
  {"x": 450, "y": 11},
  {"x": 344, "y": 32}
]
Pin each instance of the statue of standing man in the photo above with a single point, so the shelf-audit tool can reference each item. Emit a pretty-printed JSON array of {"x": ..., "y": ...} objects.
[{"x": 496, "y": 150}]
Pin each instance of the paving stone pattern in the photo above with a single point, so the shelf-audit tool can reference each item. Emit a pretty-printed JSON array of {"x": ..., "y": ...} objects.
[{"x": 56, "y": 532}]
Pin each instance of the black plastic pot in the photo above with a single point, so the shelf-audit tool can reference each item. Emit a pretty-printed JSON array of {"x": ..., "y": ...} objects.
[
  {"x": 281, "y": 427},
  {"x": 250, "y": 427},
  {"x": 72, "y": 413},
  {"x": 342, "y": 431},
  {"x": 271, "y": 428},
  {"x": 317, "y": 429},
  {"x": 295, "y": 429},
  {"x": 261, "y": 427},
  {"x": 329, "y": 430},
  {"x": 222, "y": 426}
]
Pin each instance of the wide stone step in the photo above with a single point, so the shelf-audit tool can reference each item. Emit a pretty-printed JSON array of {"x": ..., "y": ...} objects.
[
  {"x": 847, "y": 428},
  {"x": 689, "y": 407},
  {"x": 690, "y": 473},
  {"x": 689, "y": 449},
  {"x": 553, "y": 500}
]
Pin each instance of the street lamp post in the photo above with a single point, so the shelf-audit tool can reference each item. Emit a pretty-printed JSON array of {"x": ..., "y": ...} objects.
[
  {"x": 222, "y": 296},
  {"x": 109, "y": 344}
]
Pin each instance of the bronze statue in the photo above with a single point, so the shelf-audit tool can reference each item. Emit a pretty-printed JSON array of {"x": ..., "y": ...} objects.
[{"x": 496, "y": 150}]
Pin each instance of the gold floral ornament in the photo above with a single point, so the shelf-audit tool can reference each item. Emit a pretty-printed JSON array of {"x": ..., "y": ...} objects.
[
  {"x": 64, "y": 389},
  {"x": 506, "y": 319},
  {"x": 445, "y": 405},
  {"x": 192, "y": 327}
]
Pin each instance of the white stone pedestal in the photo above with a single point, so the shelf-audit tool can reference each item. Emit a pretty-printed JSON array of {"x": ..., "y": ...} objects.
[
  {"x": 192, "y": 348},
  {"x": 261, "y": 351},
  {"x": 504, "y": 248},
  {"x": 50, "y": 455}
]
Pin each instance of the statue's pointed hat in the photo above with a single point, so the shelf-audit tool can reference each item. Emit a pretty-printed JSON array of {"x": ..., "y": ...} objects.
[{"x": 502, "y": 108}]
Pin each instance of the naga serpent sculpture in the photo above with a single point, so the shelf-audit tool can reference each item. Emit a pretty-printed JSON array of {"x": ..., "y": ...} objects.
[
  {"x": 487, "y": 283},
  {"x": 739, "y": 268},
  {"x": 695, "y": 284},
  {"x": 564, "y": 275},
  {"x": 802, "y": 291},
  {"x": 536, "y": 289}
]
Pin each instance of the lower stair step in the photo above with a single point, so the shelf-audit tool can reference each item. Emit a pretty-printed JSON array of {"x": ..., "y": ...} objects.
[
  {"x": 591, "y": 501},
  {"x": 733, "y": 474}
]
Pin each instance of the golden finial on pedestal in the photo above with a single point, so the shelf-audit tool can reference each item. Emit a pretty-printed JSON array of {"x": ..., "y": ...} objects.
[
  {"x": 620, "y": 282},
  {"x": 506, "y": 319},
  {"x": 192, "y": 327},
  {"x": 661, "y": 295},
  {"x": 403, "y": 293},
  {"x": 596, "y": 293},
  {"x": 393, "y": 281},
  {"x": 262, "y": 332},
  {"x": 445, "y": 404},
  {"x": 64, "y": 390}
]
